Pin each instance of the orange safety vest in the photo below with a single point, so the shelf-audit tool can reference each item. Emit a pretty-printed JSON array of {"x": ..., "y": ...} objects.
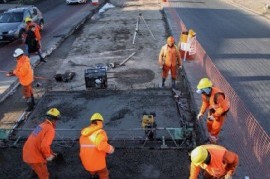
[
  {"x": 24, "y": 71},
  {"x": 217, "y": 103},
  {"x": 216, "y": 166},
  {"x": 171, "y": 55},
  {"x": 93, "y": 149},
  {"x": 38, "y": 145},
  {"x": 37, "y": 30}
]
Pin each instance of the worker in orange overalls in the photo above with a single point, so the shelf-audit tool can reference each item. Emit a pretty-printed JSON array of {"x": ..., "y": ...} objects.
[
  {"x": 37, "y": 149},
  {"x": 94, "y": 147},
  {"x": 217, "y": 103},
  {"x": 216, "y": 161},
  {"x": 169, "y": 60},
  {"x": 25, "y": 74}
]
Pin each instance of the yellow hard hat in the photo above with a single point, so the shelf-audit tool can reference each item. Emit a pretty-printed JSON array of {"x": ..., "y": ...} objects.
[
  {"x": 204, "y": 83},
  {"x": 199, "y": 155},
  {"x": 53, "y": 112},
  {"x": 96, "y": 116},
  {"x": 170, "y": 39},
  {"x": 28, "y": 19}
]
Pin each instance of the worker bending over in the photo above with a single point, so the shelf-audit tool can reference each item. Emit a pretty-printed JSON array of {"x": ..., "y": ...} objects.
[
  {"x": 37, "y": 149},
  {"x": 216, "y": 161},
  {"x": 217, "y": 103}
]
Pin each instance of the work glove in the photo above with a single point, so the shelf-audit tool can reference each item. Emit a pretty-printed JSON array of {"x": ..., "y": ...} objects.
[
  {"x": 211, "y": 118},
  {"x": 50, "y": 158},
  {"x": 228, "y": 176},
  {"x": 10, "y": 74},
  {"x": 111, "y": 150},
  {"x": 199, "y": 116}
]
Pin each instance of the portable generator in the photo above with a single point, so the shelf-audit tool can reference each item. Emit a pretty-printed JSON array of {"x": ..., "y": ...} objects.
[{"x": 95, "y": 78}]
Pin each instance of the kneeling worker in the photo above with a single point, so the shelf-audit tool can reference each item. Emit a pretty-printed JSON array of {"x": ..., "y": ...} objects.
[{"x": 94, "y": 147}]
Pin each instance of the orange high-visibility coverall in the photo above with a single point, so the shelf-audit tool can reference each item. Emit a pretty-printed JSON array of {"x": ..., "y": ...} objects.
[
  {"x": 223, "y": 162},
  {"x": 218, "y": 106},
  {"x": 93, "y": 149},
  {"x": 25, "y": 74},
  {"x": 170, "y": 58},
  {"x": 38, "y": 147}
]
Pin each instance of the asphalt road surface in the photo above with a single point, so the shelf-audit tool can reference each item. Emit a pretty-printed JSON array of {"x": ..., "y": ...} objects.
[{"x": 238, "y": 43}]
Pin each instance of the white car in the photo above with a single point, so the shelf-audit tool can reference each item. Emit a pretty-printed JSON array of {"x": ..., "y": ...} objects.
[{"x": 75, "y": 1}]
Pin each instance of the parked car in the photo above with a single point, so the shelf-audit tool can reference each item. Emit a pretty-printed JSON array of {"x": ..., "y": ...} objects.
[
  {"x": 75, "y": 1},
  {"x": 12, "y": 21}
]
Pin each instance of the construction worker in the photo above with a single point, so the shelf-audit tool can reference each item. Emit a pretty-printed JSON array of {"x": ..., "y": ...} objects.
[
  {"x": 216, "y": 161},
  {"x": 24, "y": 72},
  {"x": 29, "y": 23},
  {"x": 37, "y": 149},
  {"x": 94, "y": 147},
  {"x": 169, "y": 60},
  {"x": 217, "y": 103},
  {"x": 32, "y": 43}
]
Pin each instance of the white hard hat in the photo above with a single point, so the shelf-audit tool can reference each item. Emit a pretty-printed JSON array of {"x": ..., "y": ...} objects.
[{"x": 17, "y": 52}]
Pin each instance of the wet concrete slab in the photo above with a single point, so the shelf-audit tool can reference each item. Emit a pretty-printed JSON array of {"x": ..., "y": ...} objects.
[{"x": 122, "y": 112}]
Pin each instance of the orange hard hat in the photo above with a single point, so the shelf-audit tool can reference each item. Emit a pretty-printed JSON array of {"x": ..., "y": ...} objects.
[{"x": 170, "y": 39}]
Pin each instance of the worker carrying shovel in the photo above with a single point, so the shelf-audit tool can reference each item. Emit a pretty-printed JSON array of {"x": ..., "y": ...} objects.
[
  {"x": 216, "y": 161},
  {"x": 169, "y": 60},
  {"x": 37, "y": 149},
  {"x": 25, "y": 74},
  {"x": 94, "y": 147},
  {"x": 217, "y": 103}
]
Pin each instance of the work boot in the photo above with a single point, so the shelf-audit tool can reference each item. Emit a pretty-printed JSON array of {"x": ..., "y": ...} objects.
[
  {"x": 33, "y": 175},
  {"x": 43, "y": 60},
  {"x": 30, "y": 105},
  {"x": 173, "y": 83},
  {"x": 33, "y": 100},
  {"x": 163, "y": 82}
]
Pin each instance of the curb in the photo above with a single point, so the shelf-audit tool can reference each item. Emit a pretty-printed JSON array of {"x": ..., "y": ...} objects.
[{"x": 48, "y": 52}]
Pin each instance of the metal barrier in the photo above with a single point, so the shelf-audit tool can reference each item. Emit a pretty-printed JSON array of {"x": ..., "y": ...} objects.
[{"x": 242, "y": 132}]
